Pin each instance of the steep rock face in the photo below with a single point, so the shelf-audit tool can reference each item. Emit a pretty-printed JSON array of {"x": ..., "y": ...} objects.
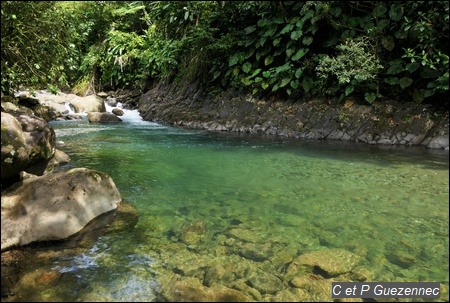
[
  {"x": 55, "y": 206},
  {"x": 387, "y": 123},
  {"x": 26, "y": 140}
]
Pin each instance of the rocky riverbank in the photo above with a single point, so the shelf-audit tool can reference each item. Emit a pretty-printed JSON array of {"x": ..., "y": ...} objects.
[
  {"x": 389, "y": 123},
  {"x": 41, "y": 200}
]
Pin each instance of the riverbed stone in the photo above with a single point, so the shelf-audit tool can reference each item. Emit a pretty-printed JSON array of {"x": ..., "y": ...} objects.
[
  {"x": 88, "y": 104},
  {"x": 245, "y": 234},
  {"x": 264, "y": 282},
  {"x": 55, "y": 206},
  {"x": 317, "y": 288},
  {"x": 192, "y": 233},
  {"x": 103, "y": 117},
  {"x": 189, "y": 289},
  {"x": 253, "y": 251},
  {"x": 26, "y": 139},
  {"x": 227, "y": 270},
  {"x": 11, "y": 107},
  {"x": 327, "y": 262},
  {"x": 117, "y": 112}
]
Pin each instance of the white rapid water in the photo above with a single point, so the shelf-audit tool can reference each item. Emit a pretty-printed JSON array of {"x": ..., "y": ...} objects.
[
  {"x": 69, "y": 108},
  {"x": 129, "y": 115}
]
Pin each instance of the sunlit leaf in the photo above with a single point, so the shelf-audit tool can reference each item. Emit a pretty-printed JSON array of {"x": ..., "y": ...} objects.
[
  {"x": 284, "y": 82},
  {"x": 307, "y": 40},
  {"x": 268, "y": 60},
  {"x": 246, "y": 67}
]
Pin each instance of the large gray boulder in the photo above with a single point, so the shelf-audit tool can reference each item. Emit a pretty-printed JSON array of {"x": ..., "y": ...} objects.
[
  {"x": 97, "y": 117},
  {"x": 55, "y": 103},
  {"x": 55, "y": 206},
  {"x": 88, "y": 104},
  {"x": 26, "y": 140}
]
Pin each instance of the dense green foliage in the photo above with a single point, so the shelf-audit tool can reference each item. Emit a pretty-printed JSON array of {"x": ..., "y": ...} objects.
[{"x": 361, "y": 49}]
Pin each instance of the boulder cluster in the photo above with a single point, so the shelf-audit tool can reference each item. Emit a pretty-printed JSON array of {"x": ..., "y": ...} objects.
[{"x": 43, "y": 198}]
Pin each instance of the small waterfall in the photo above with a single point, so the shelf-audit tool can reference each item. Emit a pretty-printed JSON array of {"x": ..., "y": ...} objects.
[
  {"x": 129, "y": 115},
  {"x": 70, "y": 108}
]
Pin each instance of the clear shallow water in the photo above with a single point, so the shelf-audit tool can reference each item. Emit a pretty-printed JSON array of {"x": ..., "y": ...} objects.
[{"x": 207, "y": 200}]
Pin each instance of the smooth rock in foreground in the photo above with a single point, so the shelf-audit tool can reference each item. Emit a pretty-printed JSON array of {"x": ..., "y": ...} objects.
[{"x": 55, "y": 206}]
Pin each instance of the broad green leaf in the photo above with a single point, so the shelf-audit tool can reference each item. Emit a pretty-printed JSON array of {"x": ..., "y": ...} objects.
[
  {"x": 388, "y": 42},
  {"x": 276, "y": 41},
  {"x": 395, "y": 67},
  {"x": 294, "y": 84},
  {"x": 262, "y": 40},
  {"x": 349, "y": 89},
  {"x": 255, "y": 90},
  {"x": 249, "y": 42},
  {"x": 296, "y": 34},
  {"x": 270, "y": 32},
  {"x": 301, "y": 52},
  {"x": 268, "y": 60},
  {"x": 262, "y": 22},
  {"x": 266, "y": 74},
  {"x": 308, "y": 15},
  {"x": 264, "y": 85},
  {"x": 275, "y": 88},
  {"x": 396, "y": 12},
  {"x": 335, "y": 11},
  {"x": 250, "y": 29},
  {"x": 233, "y": 60},
  {"x": 307, "y": 40},
  {"x": 216, "y": 74},
  {"x": 392, "y": 81},
  {"x": 289, "y": 91},
  {"x": 349, "y": 33},
  {"x": 354, "y": 21},
  {"x": 246, "y": 81},
  {"x": 298, "y": 73},
  {"x": 287, "y": 28},
  {"x": 246, "y": 67},
  {"x": 284, "y": 82},
  {"x": 418, "y": 95},
  {"x": 382, "y": 24},
  {"x": 412, "y": 67},
  {"x": 289, "y": 52},
  {"x": 370, "y": 97},
  {"x": 186, "y": 15},
  {"x": 405, "y": 82},
  {"x": 255, "y": 72},
  {"x": 307, "y": 84},
  {"x": 278, "y": 20},
  {"x": 282, "y": 68},
  {"x": 258, "y": 79},
  {"x": 249, "y": 54},
  {"x": 367, "y": 25},
  {"x": 379, "y": 10},
  {"x": 273, "y": 79}
]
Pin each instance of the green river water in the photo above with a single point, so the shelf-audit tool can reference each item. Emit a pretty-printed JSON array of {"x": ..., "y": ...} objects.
[{"x": 234, "y": 211}]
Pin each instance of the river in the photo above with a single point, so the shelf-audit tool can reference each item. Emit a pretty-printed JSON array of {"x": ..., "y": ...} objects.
[{"x": 209, "y": 199}]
